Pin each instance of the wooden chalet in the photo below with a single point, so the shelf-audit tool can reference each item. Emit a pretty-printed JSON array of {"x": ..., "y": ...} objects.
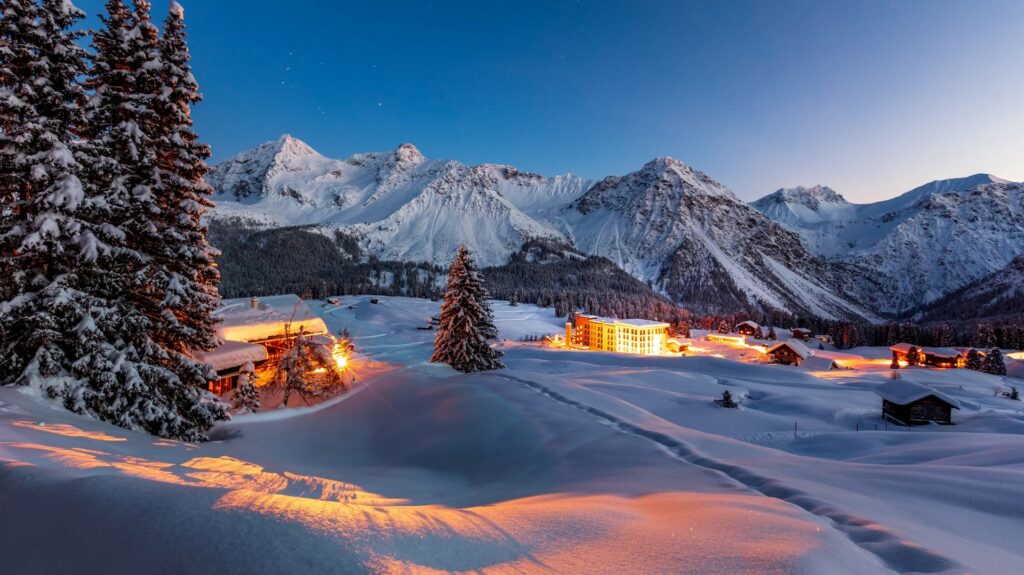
[
  {"x": 803, "y": 334},
  {"x": 747, "y": 328},
  {"x": 259, "y": 331},
  {"x": 909, "y": 403},
  {"x": 789, "y": 352},
  {"x": 930, "y": 356}
]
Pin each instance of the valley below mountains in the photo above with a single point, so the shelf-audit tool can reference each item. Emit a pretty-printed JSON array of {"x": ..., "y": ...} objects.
[{"x": 395, "y": 219}]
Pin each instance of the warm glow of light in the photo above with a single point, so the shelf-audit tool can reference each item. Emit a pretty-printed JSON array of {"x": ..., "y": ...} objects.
[
  {"x": 68, "y": 431},
  {"x": 340, "y": 356}
]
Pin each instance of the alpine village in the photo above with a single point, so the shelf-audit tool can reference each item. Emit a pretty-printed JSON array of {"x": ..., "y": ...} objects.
[{"x": 280, "y": 362}]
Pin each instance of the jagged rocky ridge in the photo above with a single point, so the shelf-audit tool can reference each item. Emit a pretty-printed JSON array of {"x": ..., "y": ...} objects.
[
  {"x": 668, "y": 225},
  {"x": 999, "y": 295},
  {"x": 920, "y": 245}
]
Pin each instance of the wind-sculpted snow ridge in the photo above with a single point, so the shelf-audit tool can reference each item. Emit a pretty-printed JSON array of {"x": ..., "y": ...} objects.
[
  {"x": 666, "y": 224},
  {"x": 921, "y": 245}
]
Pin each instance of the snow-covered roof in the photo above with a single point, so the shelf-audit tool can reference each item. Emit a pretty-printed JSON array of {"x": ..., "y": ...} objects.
[
  {"x": 936, "y": 351},
  {"x": 801, "y": 329},
  {"x": 266, "y": 318},
  {"x": 629, "y": 322},
  {"x": 902, "y": 392},
  {"x": 797, "y": 346},
  {"x": 642, "y": 323},
  {"x": 817, "y": 363},
  {"x": 232, "y": 354},
  {"x": 751, "y": 324}
]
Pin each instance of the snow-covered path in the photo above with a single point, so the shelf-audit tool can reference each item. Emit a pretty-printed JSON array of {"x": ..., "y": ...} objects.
[{"x": 563, "y": 463}]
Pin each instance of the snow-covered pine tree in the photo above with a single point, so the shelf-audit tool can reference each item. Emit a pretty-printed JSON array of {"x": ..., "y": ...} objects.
[
  {"x": 182, "y": 272},
  {"x": 309, "y": 369},
  {"x": 895, "y": 364},
  {"x": 466, "y": 320},
  {"x": 50, "y": 249},
  {"x": 771, "y": 333},
  {"x": 247, "y": 397},
  {"x": 994, "y": 363},
  {"x": 973, "y": 360},
  {"x": 144, "y": 382}
]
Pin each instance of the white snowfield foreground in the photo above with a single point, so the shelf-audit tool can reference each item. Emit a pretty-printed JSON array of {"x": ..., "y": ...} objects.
[{"x": 566, "y": 462}]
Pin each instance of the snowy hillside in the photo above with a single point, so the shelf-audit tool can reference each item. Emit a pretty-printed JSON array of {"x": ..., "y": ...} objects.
[
  {"x": 666, "y": 224},
  {"x": 566, "y": 462},
  {"x": 922, "y": 244},
  {"x": 999, "y": 294}
]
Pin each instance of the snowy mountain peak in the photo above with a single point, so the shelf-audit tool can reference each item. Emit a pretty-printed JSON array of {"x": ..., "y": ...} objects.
[
  {"x": 409, "y": 152},
  {"x": 810, "y": 196},
  {"x": 288, "y": 146}
]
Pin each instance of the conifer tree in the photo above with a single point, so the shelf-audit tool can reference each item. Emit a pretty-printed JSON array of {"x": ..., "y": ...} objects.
[
  {"x": 994, "y": 362},
  {"x": 913, "y": 356},
  {"x": 309, "y": 369},
  {"x": 466, "y": 320},
  {"x": 973, "y": 360},
  {"x": 771, "y": 333},
  {"x": 247, "y": 397},
  {"x": 895, "y": 364},
  {"x": 48, "y": 242},
  {"x": 148, "y": 381}
]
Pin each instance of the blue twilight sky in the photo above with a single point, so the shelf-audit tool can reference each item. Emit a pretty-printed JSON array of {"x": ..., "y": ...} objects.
[{"x": 869, "y": 97}]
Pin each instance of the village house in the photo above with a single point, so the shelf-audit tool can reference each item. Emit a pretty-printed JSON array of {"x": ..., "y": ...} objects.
[
  {"x": 258, "y": 331},
  {"x": 748, "y": 328},
  {"x": 639, "y": 336},
  {"x": 789, "y": 352},
  {"x": 909, "y": 403},
  {"x": 930, "y": 356},
  {"x": 802, "y": 334}
]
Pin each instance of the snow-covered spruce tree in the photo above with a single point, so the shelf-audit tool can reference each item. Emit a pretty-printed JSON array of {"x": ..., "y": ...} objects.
[
  {"x": 181, "y": 271},
  {"x": 247, "y": 397},
  {"x": 973, "y": 360},
  {"x": 49, "y": 245},
  {"x": 994, "y": 363},
  {"x": 147, "y": 381},
  {"x": 466, "y": 320},
  {"x": 309, "y": 369}
]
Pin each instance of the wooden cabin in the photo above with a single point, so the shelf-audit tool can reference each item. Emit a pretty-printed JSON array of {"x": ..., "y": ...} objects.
[
  {"x": 803, "y": 334},
  {"x": 748, "y": 328},
  {"x": 258, "y": 331},
  {"x": 930, "y": 356},
  {"x": 789, "y": 352},
  {"x": 909, "y": 403}
]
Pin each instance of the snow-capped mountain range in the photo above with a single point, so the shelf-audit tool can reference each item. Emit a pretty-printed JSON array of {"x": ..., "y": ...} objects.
[
  {"x": 925, "y": 243},
  {"x": 806, "y": 250}
]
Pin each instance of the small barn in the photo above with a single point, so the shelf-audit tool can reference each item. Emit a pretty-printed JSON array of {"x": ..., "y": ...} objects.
[
  {"x": 677, "y": 346},
  {"x": 803, "y": 334},
  {"x": 748, "y": 328},
  {"x": 789, "y": 352},
  {"x": 909, "y": 403}
]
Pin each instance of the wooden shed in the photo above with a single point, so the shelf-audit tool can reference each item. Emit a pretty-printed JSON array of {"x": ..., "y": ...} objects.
[
  {"x": 748, "y": 328},
  {"x": 908, "y": 403},
  {"x": 789, "y": 352}
]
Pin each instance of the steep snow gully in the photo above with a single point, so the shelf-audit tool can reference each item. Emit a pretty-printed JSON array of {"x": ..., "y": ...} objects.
[{"x": 898, "y": 554}]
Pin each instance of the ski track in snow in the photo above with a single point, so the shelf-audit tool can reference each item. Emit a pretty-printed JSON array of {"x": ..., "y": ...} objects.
[{"x": 897, "y": 553}]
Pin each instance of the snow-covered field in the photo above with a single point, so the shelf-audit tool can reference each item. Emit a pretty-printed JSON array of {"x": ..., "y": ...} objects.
[{"x": 565, "y": 462}]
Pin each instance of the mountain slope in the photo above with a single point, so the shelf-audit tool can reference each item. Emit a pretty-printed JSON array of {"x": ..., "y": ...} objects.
[
  {"x": 922, "y": 244},
  {"x": 996, "y": 295}
]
